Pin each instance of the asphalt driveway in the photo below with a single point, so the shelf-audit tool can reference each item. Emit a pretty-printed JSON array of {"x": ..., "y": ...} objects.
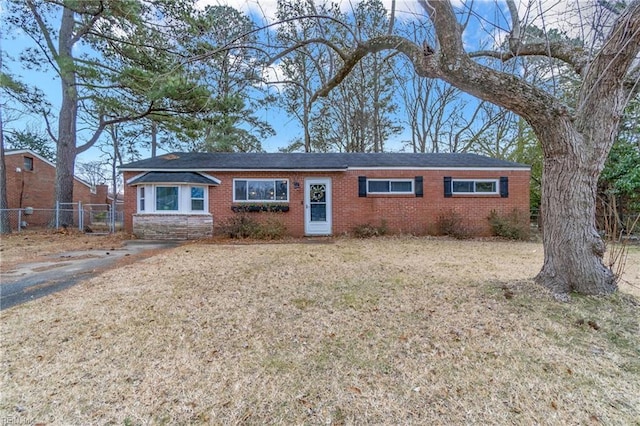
[{"x": 30, "y": 281}]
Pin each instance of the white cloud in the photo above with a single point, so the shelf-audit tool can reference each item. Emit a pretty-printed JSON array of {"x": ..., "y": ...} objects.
[{"x": 266, "y": 9}]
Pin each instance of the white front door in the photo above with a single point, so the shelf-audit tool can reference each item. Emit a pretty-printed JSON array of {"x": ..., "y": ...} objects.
[{"x": 317, "y": 206}]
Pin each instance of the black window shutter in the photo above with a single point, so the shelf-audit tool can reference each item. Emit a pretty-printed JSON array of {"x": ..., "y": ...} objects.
[
  {"x": 419, "y": 190},
  {"x": 504, "y": 186},
  {"x": 362, "y": 186},
  {"x": 448, "y": 192}
]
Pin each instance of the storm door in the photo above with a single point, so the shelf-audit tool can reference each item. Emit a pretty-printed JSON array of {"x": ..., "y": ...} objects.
[{"x": 317, "y": 200}]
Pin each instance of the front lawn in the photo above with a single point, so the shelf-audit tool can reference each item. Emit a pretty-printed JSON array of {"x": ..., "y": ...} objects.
[{"x": 384, "y": 331}]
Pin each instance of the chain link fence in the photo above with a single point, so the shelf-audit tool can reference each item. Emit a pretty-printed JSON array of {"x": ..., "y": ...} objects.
[{"x": 90, "y": 218}]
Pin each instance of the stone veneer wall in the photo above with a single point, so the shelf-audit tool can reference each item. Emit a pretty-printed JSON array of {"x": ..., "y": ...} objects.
[{"x": 172, "y": 226}]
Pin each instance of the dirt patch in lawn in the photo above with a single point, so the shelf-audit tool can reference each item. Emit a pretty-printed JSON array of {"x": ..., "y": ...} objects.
[
  {"x": 390, "y": 330},
  {"x": 31, "y": 246}
]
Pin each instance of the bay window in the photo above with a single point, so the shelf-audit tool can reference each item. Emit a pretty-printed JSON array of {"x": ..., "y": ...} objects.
[{"x": 163, "y": 198}]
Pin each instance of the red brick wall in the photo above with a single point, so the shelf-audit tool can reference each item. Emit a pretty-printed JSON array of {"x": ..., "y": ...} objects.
[
  {"x": 29, "y": 188},
  {"x": 36, "y": 188},
  {"x": 401, "y": 213},
  {"x": 418, "y": 215}
]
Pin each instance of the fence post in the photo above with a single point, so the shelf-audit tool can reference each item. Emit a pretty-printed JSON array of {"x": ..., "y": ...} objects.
[
  {"x": 19, "y": 220},
  {"x": 80, "y": 216},
  {"x": 57, "y": 215},
  {"x": 112, "y": 222}
]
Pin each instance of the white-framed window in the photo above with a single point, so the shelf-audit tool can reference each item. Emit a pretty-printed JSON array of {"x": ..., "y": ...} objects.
[
  {"x": 475, "y": 186},
  {"x": 390, "y": 186},
  {"x": 28, "y": 163},
  {"x": 260, "y": 190},
  {"x": 197, "y": 198},
  {"x": 170, "y": 198},
  {"x": 167, "y": 198},
  {"x": 141, "y": 206}
]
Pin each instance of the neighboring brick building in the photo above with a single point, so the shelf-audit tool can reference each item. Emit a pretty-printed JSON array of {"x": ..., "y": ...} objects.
[
  {"x": 31, "y": 183},
  {"x": 188, "y": 195}
]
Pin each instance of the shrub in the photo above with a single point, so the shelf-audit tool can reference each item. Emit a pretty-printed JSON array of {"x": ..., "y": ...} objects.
[
  {"x": 244, "y": 226},
  {"x": 514, "y": 225},
  {"x": 239, "y": 226},
  {"x": 271, "y": 229},
  {"x": 452, "y": 224},
  {"x": 367, "y": 230}
]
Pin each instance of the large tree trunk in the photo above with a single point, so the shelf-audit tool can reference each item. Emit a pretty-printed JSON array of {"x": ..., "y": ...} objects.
[
  {"x": 5, "y": 226},
  {"x": 573, "y": 249},
  {"x": 66, "y": 147}
]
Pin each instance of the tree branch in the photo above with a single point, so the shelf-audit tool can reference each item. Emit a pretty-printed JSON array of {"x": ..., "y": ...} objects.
[
  {"x": 45, "y": 115},
  {"x": 343, "y": 55},
  {"x": 608, "y": 72},
  {"x": 89, "y": 25},
  {"x": 572, "y": 55},
  {"x": 43, "y": 28},
  {"x": 506, "y": 90},
  {"x": 376, "y": 44}
]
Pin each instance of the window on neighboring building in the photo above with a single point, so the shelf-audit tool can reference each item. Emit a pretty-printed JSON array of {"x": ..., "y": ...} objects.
[
  {"x": 260, "y": 190},
  {"x": 28, "y": 163},
  {"x": 393, "y": 186},
  {"x": 475, "y": 186},
  {"x": 172, "y": 199}
]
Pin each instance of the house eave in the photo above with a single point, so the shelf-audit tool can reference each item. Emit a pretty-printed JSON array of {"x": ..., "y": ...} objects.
[
  {"x": 213, "y": 170},
  {"x": 521, "y": 169},
  {"x": 342, "y": 169},
  {"x": 139, "y": 179}
]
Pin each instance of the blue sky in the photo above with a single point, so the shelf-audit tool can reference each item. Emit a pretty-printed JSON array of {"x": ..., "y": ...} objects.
[
  {"x": 13, "y": 42},
  {"x": 287, "y": 128}
]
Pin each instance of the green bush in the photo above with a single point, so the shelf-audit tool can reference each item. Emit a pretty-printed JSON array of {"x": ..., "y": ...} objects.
[
  {"x": 244, "y": 226},
  {"x": 368, "y": 231},
  {"x": 453, "y": 225},
  {"x": 514, "y": 225}
]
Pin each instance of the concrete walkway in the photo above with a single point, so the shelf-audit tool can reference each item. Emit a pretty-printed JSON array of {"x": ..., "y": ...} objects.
[{"x": 30, "y": 281}]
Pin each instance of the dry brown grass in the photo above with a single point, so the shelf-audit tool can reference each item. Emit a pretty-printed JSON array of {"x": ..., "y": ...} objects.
[
  {"x": 391, "y": 330},
  {"x": 29, "y": 246}
]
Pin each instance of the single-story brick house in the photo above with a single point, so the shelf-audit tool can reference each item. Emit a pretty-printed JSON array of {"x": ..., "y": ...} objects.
[{"x": 189, "y": 195}]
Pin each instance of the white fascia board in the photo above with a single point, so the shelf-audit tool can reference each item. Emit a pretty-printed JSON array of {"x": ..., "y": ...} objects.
[
  {"x": 205, "y": 175},
  {"x": 211, "y": 178},
  {"x": 138, "y": 176}
]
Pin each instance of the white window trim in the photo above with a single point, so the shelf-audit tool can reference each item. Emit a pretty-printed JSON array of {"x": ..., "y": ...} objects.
[
  {"x": 141, "y": 190},
  {"x": 184, "y": 199},
  {"x": 204, "y": 198},
  {"x": 261, "y": 201},
  {"x": 412, "y": 181},
  {"x": 495, "y": 181}
]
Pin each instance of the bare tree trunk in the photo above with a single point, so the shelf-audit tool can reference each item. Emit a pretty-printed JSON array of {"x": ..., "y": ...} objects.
[
  {"x": 573, "y": 248},
  {"x": 5, "y": 226},
  {"x": 66, "y": 147},
  {"x": 306, "y": 109},
  {"x": 154, "y": 138}
]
